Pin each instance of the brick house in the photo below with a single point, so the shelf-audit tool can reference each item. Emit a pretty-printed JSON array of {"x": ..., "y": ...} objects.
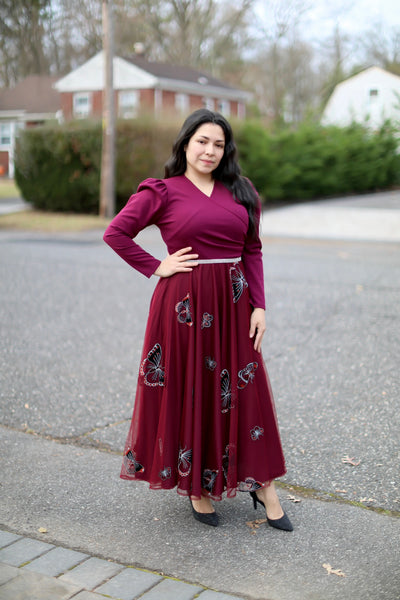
[
  {"x": 31, "y": 102},
  {"x": 142, "y": 86}
]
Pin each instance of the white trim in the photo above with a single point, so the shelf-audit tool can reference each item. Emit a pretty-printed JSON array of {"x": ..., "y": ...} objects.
[
  {"x": 196, "y": 89},
  {"x": 158, "y": 101},
  {"x": 89, "y": 77}
]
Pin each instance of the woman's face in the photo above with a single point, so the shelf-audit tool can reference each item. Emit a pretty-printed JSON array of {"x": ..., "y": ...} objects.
[{"x": 205, "y": 150}]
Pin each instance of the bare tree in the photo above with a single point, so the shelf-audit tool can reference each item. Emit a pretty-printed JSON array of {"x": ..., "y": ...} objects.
[
  {"x": 381, "y": 47},
  {"x": 206, "y": 34},
  {"x": 22, "y": 34},
  {"x": 283, "y": 60},
  {"x": 335, "y": 64}
]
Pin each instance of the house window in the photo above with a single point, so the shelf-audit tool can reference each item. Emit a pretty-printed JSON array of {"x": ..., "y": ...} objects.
[
  {"x": 224, "y": 107},
  {"x": 208, "y": 103},
  {"x": 5, "y": 134},
  {"x": 182, "y": 103},
  {"x": 373, "y": 95},
  {"x": 128, "y": 104},
  {"x": 82, "y": 105}
]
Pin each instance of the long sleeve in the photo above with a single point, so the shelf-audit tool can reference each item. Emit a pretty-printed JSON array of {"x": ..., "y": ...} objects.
[
  {"x": 253, "y": 265},
  {"x": 142, "y": 209}
]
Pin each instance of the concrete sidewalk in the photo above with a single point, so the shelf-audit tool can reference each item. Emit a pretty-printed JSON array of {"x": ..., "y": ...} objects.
[
  {"x": 75, "y": 494},
  {"x": 371, "y": 217},
  {"x": 12, "y": 205}
]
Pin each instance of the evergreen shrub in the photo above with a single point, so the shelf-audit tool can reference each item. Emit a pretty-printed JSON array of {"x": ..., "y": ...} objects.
[
  {"x": 314, "y": 161},
  {"x": 58, "y": 167}
]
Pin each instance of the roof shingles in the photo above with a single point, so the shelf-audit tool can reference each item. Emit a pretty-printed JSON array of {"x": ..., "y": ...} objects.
[{"x": 35, "y": 94}]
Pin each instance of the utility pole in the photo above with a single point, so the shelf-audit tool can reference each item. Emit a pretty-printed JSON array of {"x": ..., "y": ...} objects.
[{"x": 107, "y": 185}]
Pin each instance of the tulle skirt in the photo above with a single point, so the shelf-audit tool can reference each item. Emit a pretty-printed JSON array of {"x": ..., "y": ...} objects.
[{"x": 204, "y": 419}]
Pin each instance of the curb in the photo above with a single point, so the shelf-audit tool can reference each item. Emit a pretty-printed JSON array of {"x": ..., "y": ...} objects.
[{"x": 37, "y": 570}]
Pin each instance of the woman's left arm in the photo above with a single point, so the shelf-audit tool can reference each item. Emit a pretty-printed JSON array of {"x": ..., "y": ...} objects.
[{"x": 257, "y": 327}]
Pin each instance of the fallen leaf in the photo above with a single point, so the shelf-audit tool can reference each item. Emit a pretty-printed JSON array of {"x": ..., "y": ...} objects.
[
  {"x": 255, "y": 524},
  {"x": 293, "y": 498},
  {"x": 332, "y": 571},
  {"x": 350, "y": 461},
  {"x": 42, "y": 530}
]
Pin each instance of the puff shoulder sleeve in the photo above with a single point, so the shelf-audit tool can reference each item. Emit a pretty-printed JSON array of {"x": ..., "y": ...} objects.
[{"x": 142, "y": 209}]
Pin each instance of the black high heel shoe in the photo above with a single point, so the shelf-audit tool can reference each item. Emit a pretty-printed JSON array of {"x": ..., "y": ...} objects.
[
  {"x": 282, "y": 523},
  {"x": 206, "y": 518}
]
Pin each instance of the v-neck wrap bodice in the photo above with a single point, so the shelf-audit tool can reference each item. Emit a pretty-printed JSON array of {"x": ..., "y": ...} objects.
[{"x": 214, "y": 226}]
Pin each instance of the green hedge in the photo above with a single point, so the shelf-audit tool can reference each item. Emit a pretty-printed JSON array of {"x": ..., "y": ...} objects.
[
  {"x": 315, "y": 161},
  {"x": 58, "y": 168}
]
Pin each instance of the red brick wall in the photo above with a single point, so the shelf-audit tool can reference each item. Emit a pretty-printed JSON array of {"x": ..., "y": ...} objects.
[
  {"x": 168, "y": 101},
  {"x": 195, "y": 102},
  {"x": 146, "y": 101},
  {"x": 97, "y": 104},
  {"x": 66, "y": 104},
  {"x": 234, "y": 109},
  {"x": 146, "y": 105},
  {"x": 3, "y": 163}
]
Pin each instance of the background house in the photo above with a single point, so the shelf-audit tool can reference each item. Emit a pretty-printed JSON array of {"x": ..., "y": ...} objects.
[
  {"x": 31, "y": 102},
  {"x": 373, "y": 96},
  {"x": 143, "y": 86}
]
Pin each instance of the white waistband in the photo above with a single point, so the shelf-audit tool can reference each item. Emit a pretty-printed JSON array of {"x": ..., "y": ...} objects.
[{"x": 210, "y": 261}]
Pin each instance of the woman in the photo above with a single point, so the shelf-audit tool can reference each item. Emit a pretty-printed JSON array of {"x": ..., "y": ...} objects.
[{"x": 204, "y": 418}]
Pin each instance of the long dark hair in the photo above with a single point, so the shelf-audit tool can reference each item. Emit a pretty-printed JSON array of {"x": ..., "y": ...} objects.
[{"x": 228, "y": 170}]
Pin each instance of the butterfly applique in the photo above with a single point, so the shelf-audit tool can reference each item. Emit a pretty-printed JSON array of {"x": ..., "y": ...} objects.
[
  {"x": 239, "y": 283},
  {"x": 210, "y": 363},
  {"x": 183, "y": 310},
  {"x": 256, "y": 433},
  {"x": 165, "y": 473},
  {"x": 249, "y": 485},
  {"x": 151, "y": 369},
  {"x": 132, "y": 466},
  {"x": 246, "y": 375},
  {"x": 226, "y": 393},
  {"x": 184, "y": 462},
  {"x": 206, "y": 320},
  {"x": 208, "y": 479}
]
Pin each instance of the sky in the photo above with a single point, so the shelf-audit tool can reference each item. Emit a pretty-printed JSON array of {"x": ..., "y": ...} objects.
[{"x": 352, "y": 16}]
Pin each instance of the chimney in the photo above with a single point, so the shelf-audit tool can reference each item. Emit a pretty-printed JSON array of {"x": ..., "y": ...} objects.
[{"x": 139, "y": 50}]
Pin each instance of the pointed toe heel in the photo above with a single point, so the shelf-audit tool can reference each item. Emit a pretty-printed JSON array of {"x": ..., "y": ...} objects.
[
  {"x": 205, "y": 518},
  {"x": 283, "y": 523}
]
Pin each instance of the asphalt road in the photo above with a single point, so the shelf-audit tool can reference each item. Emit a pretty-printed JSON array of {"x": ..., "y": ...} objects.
[{"x": 72, "y": 322}]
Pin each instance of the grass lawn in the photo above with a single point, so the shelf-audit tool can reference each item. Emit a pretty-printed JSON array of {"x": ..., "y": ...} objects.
[
  {"x": 8, "y": 189},
  {"x": 36, "y": 220}
]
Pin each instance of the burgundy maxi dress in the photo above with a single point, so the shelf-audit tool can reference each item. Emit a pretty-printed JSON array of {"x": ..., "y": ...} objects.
[{"x": 204, "y": 418}]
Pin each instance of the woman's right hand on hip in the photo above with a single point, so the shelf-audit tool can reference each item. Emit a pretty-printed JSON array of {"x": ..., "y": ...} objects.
[{"x": 178, "y": 262}]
